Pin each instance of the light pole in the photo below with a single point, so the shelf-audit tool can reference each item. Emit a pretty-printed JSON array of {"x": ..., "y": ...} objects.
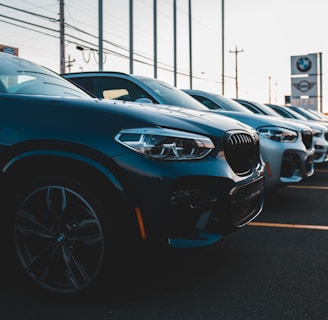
[
  {"x": 100, "y": 22},
  {"x": 62, "y": 37},
  {"x": 269, "y": 89},
  {"x": 222, "y": 43}
]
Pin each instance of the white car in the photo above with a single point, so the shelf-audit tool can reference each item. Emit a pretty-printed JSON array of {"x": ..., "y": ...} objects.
[
  {"x": 320, "y": 131},
  {"x": 286, "y": 146}
]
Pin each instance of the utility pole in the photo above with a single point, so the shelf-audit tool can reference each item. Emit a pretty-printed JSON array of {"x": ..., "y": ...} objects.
[
  {"x": 175, "y": 41},
  {"x": 70, "y": 63},
  {"x": 190, "y": 44},
  {"x": 62, "y": 36},
  {"x": 100, "y": 22},
  {"x": 222, "y": 43},
  {"x": 236, "y": 51},
  {"x": 320, "y": 83},
  {"x": 131, "y": 35},
  {"x": 155, "y": 37},
  {"x": 269, "y": 89}
]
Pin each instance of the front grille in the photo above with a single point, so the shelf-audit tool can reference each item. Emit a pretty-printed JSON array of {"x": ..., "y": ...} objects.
[
  {"x": 241, "y": 151},
  {"x": 307, "y": 138}
]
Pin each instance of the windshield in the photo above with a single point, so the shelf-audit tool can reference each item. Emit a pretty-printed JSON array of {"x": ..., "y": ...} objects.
[
  {"x": 171, "y": 95},
  {"x": 267, "y": 110},
  {"x": 295, "y": 114},
  {"x": 231, "y": 105},
  {"x": 306, "y": 113},
  {"x": 320, "y": 115},
  {"x": 18, "y": 76}
]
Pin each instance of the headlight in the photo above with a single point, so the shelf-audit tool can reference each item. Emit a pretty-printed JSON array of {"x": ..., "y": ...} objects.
[
  {"x": 278, "y": 134},
  {"x": 166, "y": 144},
  {"x": 316, "y": 132}
]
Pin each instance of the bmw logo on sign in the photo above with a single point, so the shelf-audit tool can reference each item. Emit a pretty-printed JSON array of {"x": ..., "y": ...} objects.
[{"x": 303, "y": 64}]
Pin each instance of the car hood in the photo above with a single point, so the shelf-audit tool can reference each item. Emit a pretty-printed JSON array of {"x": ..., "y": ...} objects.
[
  {"x": 257, "y": 120},
  {"x": 93, "y": 117},
  {"x": 176, "y": 117},
  {"x": 311, "y": 124}
]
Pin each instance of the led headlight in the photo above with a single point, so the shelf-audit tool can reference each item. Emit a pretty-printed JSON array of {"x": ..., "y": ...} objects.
[
  {"x": 166, "y": 144},
  {"x": 316, "y": 132},
  {"x": 278, "y": 134}
]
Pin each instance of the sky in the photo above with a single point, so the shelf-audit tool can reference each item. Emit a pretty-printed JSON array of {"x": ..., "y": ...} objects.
[{"x": 266, "y": 33}]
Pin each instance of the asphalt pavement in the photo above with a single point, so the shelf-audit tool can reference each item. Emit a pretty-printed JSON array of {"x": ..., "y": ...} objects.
[{"x": 275, "y": 268}]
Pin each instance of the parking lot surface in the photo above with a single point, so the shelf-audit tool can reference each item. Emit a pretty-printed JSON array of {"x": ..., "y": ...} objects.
[{"x": 275, "y": 268}]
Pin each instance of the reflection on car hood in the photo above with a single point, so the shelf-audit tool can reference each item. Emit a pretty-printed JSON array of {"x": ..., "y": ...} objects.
[
  {"x": 155, "y": 112},
  {"x": 90, "y": 116}
]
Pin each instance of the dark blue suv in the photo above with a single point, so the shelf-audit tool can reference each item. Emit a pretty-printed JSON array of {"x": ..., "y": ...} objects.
[{"x": 83, "y": 180}]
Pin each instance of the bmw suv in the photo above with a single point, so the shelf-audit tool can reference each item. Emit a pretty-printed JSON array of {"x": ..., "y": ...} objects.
[{"x": 85, "y": 181}]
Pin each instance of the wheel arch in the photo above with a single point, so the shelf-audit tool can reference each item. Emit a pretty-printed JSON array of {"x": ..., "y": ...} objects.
[{"x": 29, "y": 165}]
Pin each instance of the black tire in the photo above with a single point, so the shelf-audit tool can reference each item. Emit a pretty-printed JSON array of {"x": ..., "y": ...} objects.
[{"x": 60, "y": 235}]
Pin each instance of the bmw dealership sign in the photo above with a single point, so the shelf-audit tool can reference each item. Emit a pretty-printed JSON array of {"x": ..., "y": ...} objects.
[{"x": 306, "y": 81}]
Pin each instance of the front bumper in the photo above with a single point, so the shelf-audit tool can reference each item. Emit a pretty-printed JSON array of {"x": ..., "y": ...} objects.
[
  {"x": 321, "y": 150},
  {"x": 191, "y": 204},
  {"x": 202, "y": 217},
  {"x": 286, "y": 162}
]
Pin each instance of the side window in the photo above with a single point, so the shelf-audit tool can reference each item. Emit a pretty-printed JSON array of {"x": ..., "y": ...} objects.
[
  {"x": 116, "y": 94},
  {"x": 2, "y": 87},
  {"x": 206, "y": 102},
  {"x": 84, "y": 82},
  {"x": 118, "y": 89}
]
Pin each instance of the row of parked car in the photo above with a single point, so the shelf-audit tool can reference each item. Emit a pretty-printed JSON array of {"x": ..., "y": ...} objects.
[
  {"x": 289, "y": 147},
  {"x": 97, "y": 165}
]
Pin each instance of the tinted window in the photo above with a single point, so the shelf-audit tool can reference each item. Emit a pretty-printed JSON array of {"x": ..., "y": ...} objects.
[
  {"x": 118, "y": 89},
  {"x": 206, "y": 102},
  {"x": 230, "y": 104},
  {"x": 23, "y": 77},
  {"x": 171, "y": 95}
]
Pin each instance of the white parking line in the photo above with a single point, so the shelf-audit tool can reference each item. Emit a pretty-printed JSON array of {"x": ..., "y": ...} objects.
[
  {"x": 307, "y": 187},
  {"x": 287, "y": 225},
  {"x": 294, "y": 226}
]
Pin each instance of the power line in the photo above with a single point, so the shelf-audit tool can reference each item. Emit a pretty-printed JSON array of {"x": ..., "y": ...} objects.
[
  {"x": 84, "y": 43},
  {"x": 29, "y": 12},
  {"x": 67, "y": 25},
  {"x": 89, "y": 45},
  {"x": 29, "y": 23},
  {"x": 17, "y": 25}
]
